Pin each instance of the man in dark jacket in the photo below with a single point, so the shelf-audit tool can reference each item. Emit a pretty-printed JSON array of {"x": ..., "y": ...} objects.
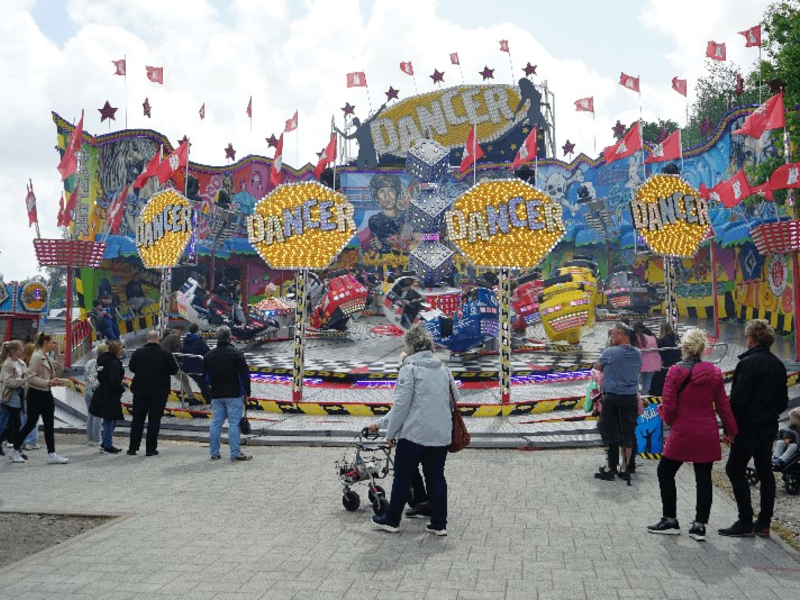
[
  {"x": 151, "y": 366},
  {"x": 226, "y": 370},
  {"x": 758, "y": 396},
  {"x": 194, "y": 344}
]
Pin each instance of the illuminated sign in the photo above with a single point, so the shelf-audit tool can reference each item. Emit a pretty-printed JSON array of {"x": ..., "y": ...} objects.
[{"x": 164, "y": 229}]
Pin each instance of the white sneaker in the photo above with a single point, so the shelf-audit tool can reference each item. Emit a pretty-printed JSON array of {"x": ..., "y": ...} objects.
[
  {"x": 56, "y": 459},
  {"x": 15, "y": 457},
  {"x": 31, "y": 446}
]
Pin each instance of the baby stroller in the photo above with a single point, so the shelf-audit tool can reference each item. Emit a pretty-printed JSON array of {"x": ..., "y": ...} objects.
[
  {"x": 365, "y": 461},
  {"x": 790, "y": 473}
]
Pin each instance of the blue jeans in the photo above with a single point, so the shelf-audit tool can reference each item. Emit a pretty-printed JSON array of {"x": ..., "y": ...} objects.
[
  {"x": 4, "y": 423},
  {"x": 221, "y": 409},
  {"x": 108, "y": 432},
  {"x": 647, "y": 380},
  {"x": 92, "y": 423},
  {"x": 407, "y": 459}
]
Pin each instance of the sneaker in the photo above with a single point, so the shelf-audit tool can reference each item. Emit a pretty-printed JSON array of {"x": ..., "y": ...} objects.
[
  {"x": 31, "y": 446},
  {"x": 423, "y": 509},
  {"x": 131, "y": 453},
  {"x": 440, "y": 531},
  {"x": 23, "y": 455},
  {"x": 92, "y": 444},
  {"x": 241, "y": 457},
  {"x": 665, "y": 527},
  {"x": 738, "y": 529},
  {"x": 698, "y": 532},
  {"x": 761, "y": 528},
  {"x": 56, "y": 459},
  {"x": 382, "y": 522},
  {"x": 15, "y": 457},
  {"x": 153, "y": 453},
  {"x": 605, "y": 474},
  {"x": 216, "y": 457}
]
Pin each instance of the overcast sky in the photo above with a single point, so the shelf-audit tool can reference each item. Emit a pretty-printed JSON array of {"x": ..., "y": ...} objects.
[{"x": 294, "y": 55}]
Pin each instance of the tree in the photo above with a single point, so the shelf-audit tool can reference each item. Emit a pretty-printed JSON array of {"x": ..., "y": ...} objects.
[{"x": 55, "y": 278}]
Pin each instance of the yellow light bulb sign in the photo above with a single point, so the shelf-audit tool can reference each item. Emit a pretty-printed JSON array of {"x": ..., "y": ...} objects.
[
  {"x": 164, "y": 229},
  {"x": 668, "y": 213},
  {"x": 505, "y": 223},
  {"x": 301, "y": 225}
]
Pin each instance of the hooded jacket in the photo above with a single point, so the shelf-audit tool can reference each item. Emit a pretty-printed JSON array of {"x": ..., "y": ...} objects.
[
  {"x": 759, "y": 393},
  {"x": 422, "y": 412}
]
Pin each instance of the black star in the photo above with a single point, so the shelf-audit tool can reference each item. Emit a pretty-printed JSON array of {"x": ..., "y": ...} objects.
[
  {"x": 147, "y": 107},
  {"x": 438, "y": 77},
  {"x": 321, "y": 153},
  {"x": 529, "y": 69},
  {"x": 272, "y": 141},
  {"x": 349, "y": 109},
  {"x": 185, "y": 138},
  {"x": 618, "y": 129},
  {"x": 392, "y": 94},
  {"x": 230, "y": 152},
  {"x": 107, "y": 112},
  {"x": 487, "y": 73},
  {"x": 568, "y": 148}
]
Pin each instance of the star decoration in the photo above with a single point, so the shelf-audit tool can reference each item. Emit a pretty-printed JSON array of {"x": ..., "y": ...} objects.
[
  {"x": 487, "y": 73},
  {"x": 529, "y": 69},
  {"x": 107, "y": 112},
  {"x": 392, "y": 94},
  {"x": 349, "y": 109},
  {"x": 272, "y": 141},
  {"x": 438, "y": 77},
  {"x": 146, "y": 106},
  {"x": 618, "y": 129},
  {"x": 514, "y": 146},
  {"x": 321, "y": 153},
  {"x": 776, "y": 85},
  {"x": 705, "y": 127},
  {"x": 662, "y": 135},
  {"x": 230, "y": 152},
  {"x": 184, "y": 139},
  {"x": 568, "y": 148},
  {"x": 739, "y": 84}
]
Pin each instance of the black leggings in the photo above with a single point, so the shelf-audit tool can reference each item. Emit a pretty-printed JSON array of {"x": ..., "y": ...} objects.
[
  {"x": 10, "y": 432},
  {"x": 667, "y": 469},
  {"x": 40, "y": 404}
]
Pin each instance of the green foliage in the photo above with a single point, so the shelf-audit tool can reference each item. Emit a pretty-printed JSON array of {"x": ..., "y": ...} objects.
[{"x": 651, "y": 130}]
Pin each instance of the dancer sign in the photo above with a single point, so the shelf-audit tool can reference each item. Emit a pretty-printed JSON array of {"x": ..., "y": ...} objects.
[{"x": 164, "y": 229}]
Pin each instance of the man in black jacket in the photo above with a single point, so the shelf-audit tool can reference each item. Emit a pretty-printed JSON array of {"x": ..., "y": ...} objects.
[
  {"x": 151, "y": 366},
  {"x": 758, "y": 396},
  {"x": 226, "y": 370}
]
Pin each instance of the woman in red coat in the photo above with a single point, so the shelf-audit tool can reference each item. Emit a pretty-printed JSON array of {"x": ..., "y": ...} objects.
[{"x": 694, "y": 395}]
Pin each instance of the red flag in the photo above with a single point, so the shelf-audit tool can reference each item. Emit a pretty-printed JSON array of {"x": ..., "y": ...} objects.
[
  {"x": 716, "y": 51},
  {"x": 472, "y": 151},
  {"x": 115, "y": 212},
  {"x": 62, "y": 222},
  {"x": 528, "y": 151},
  {"x": 752, "y": 36},
  {"x": 175, "y": 160},
  {"x": 785, "y": 177},
  {"x": 291, "y": 124},
  {"x": 629, "y": 82},
  {"x": 277, "y": 163},
  {"x": 504, "y": 46},
  {"x": 30, "y": 203},
  {"x": 585, "y": 104},
  {"x": 769, "y": 115},
  {"x": 72, "y": 204},
  {"x": 120, "y": 66},
  {"x": 357, "y": 79},
  {"x": 69, "y": 162},
  {"x": 764, "y": 190},
  {"x": 148, "y": 172},
  {"x": 454, "y": 58},
  {"x": 328, "y": 155},
  {"x": 203, "y": 111},
  {"x": 250, "y": 107},
  {"x": 679, "y": 85},
  {"x": 669, "y": 149},
  {"x": 630, "y": 143},
  {"x": 155, "y": 74},
  {"x": 407, "y": 68},
  {"x": 733, "y": 191}
]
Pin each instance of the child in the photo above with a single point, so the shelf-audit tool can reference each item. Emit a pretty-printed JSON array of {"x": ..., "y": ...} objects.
[{"x": 788, "y": 441}]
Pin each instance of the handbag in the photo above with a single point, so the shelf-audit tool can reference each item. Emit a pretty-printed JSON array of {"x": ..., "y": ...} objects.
[
  {"x": 244, "y": 422},
  {"x": 461, "y": 437}
]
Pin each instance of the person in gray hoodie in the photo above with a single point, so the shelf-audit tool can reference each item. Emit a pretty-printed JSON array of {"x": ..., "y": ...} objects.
[{"x": 420, "y": 424}]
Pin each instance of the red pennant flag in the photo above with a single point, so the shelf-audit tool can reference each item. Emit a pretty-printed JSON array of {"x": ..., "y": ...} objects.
[
  {"x": 733, "y": 191},
  {"x": 250, "y": 107},
  {"x": 679, "y": 85},
  {"x": 407, "y": 68},
  {"x": 72, "y": 204},
  {"x": 291, "y": 124},
  {"x": 148, "y": 172},
  {"x": 357, "y": 79},
  {"x": 328, "y": 155},
  {"x": 454, "y": 58},
  {"x": 203, "y": 111},
  {"x": 120, "y": 66},
  {"x": 30, "y": 204},
  {"x": 472, "y": 151},
  {"x": 630, "y": 143},
  {"x": 504, "y": 46},
  {"x": 716, "y": 51},
  {"x": 69, "y": 162},
  {"x": 115, "y": 211},
  {"x": 769, "y": 115},
  {"x": 175, "y": 160},
  {"x": 61, "y": 216},
  {"x": 629, "y": 82},
  {"x": 155, "y": 74},
  {"x": 528, "y": 151},
  {"x": 785, "y": 177},
  {"x": 764, "y": 190},
  {"x": 669, "y": 149},
  {"x": 277, "y": 163},
  {"x": 585, "y": 104},
  {"x": 752, "y": 36}
]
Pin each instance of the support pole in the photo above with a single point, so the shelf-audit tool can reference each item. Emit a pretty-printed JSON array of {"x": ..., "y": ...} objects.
[
  {"x": 163, "y": 304},
  {"x": 68, "y": 332},
  {"x": 301, "y": 308},
  {"x": 505, "y": 335},
  {"x": 714, "y": 290}
]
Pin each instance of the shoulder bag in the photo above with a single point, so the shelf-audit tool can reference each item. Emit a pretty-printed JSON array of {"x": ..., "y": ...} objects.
[{"x": 461, "y": 437}]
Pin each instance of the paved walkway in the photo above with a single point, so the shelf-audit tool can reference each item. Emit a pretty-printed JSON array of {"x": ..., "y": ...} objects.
[{"x": 523, "y": 525}]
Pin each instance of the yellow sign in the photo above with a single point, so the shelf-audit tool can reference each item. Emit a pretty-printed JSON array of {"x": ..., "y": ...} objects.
[
  {"x": 301, "y": 226},
  {"x": 448, "y": 114},
  {"x": 668, "y": 213},
  {"x": 33, "y": 296},
  {"x": 164, "y": 229},
  {"x": 505, "y": 223}
]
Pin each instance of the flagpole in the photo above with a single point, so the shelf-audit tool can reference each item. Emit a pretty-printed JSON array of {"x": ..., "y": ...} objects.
[
  {"x": 594, "y": 132},
  {"x": 416, "y": 92},
  {"x": 333, "y": 132},
  {"x": 511, "y": 65},
  {"x": 369, "y": 100},
  {"x": 474, "y": 152},
  {"x": 641, "y": 139},
  {"x": 680, "y": 147},
  {"x": 125, "y": 59}
]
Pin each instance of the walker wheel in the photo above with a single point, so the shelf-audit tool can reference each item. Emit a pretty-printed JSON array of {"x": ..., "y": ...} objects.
[
  {"x": 752, "y": 476},
  {"x": 350, "y": 500},
  {"x": 380, "y": 505},
  {"x": 377, "y": 492},
  {"x": 792, "y": 484}
]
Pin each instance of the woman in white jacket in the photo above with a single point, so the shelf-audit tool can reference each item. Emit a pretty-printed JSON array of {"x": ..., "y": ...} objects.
[
  {"x": 421, "y": 425},
  {"x": 14, "y": 376}
]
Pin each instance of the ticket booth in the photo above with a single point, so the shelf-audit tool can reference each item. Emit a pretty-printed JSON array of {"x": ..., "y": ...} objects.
[{"x": 22, "y": 306}]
